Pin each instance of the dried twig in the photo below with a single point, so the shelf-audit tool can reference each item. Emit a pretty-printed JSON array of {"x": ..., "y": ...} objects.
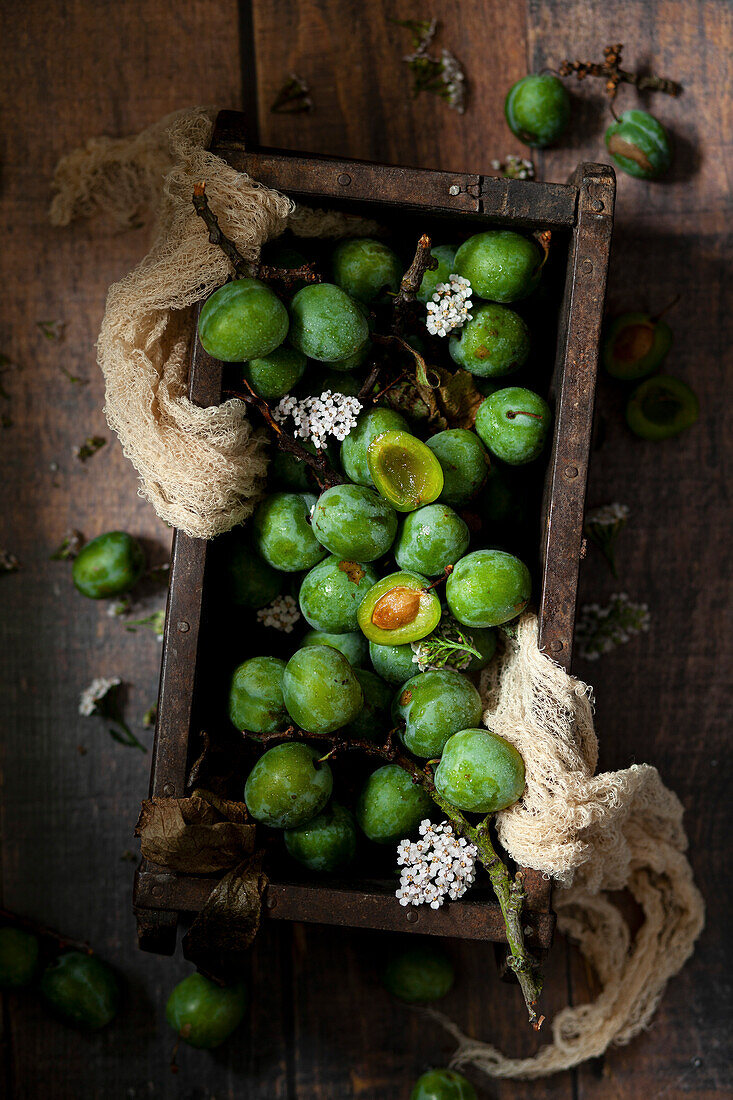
[
  {"x": 509, "y": 890},
  {"x": 7, "y": 916},
  {"x": 423, "y": 261},
  {"x": 324, "y": 472},
  {"x": 610, "y": 71},
  {"x": 293, "y": 98},
  {"x": 287, "y": 277}
]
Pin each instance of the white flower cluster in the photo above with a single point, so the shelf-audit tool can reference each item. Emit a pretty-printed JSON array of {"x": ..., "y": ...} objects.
[
  {"x": 436, "y": 866},
  {"x": 315, "y": 418},
  {"x": 282, "y": 614},
  {"x": 93, "y": 695},
  {"x": 601, "y": 629},
  {"x": 607, "y": 515},
  {"x": 450, "y": 305},
  {"x": 514, "y": 167}
]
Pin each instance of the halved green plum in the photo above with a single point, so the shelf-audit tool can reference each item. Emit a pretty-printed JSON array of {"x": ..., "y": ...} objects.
[
  {"x": 242, "y": 320},
  {"x": 433, "y": 706},
  {"x": 326, "y": 324},
  {"x": 354, "y": 448},
  {"x": 321, "y": 690},
  {"x": 204, "y": 1013},
  {"x": 82, "y": 989},
  {"x": 488, "y": 588},
  {"x": 445, "y": 254},
  {"x": 353, "y": 645},
  {"x": 513, "y": 424},
  {"x": 400, "y": 608},
  {"x": 394, "y": 663},
  {"x": 274, "y": 375},
  {"x": 354, "y": 522},
  {"x": 19, "y": 951},
  {"x": 639, "y": 145},
  {"x": 391, "y": 806},
  {"x": 366, "y": 269},
  {"x": 404, "y": 470},
  {"x": 256, "y": 695},
  {"x": 493, "y": 343},
  {"x": 372, "y": 722},
  {"x": 332, "y": 592},
  {"x": 431, "y": 539},
  {"x": 327, "y": 843},
  {"x": 282, "y": 533},
  {"x": 288, "y": 785},
  {"x": 465, "y": 463},
  {"x": 662, "y": 407},
  {"x": 635, "y": 345},
  {"x": 419, "y": 974},
  {"x": 480, "y": 772},
  {"x": 500, "y": 265}
]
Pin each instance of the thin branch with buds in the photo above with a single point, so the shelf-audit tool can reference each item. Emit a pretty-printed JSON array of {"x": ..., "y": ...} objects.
[{"x": 610, "y": 71}]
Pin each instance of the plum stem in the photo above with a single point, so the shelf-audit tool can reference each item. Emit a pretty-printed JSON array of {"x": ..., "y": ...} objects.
[
  {"x": 509, "y": 890},
  {"x": 512, "y": 414},
  {"x": 288, "y": 277}
]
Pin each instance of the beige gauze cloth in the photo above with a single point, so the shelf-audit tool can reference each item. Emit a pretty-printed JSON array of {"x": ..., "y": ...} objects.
[{"x": 201, "y": 468}]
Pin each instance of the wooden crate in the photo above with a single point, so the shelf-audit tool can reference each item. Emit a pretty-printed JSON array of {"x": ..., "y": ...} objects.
[{"x": 580, "y": 216}]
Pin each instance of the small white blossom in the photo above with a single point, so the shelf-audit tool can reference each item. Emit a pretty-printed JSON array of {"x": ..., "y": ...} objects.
[
  {"x": 93, "y": 695},
  {"x": 315, "y": 418},
  {"x": 514, "y": 167},
  {"x": 601, "y": 629},
  {"x": 607, "y": 515},
  {"x": 282, "y": 614},
  {"x": 450, "y": 305},
  {"x": 603, "y": 526},
  {"x": 436, "y": 866}
]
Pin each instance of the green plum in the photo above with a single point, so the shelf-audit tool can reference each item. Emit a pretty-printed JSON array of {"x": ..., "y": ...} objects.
[
  {"x": 82, "y": 990},
  {"x": 480, "y": 772},
  {"x": 326, "y": 324},
  {"x": 634, "y": 345},
  {"x": 493, "y": 343},
  {"x": 331, "y": 593},
  {"x": 465, "y": 463},
  {"x": 661, "y": 407},
  {"x": 419, "y": 974},
  {"x": 340, "y": 367},
  {"x": 393, "y": 662},
  {"x": 321, "y": 689},
  {"x": 443, "y": 1084},
  {"x": 445, "y": 254},
  {"x": 366, "y": 268},
  {"x": 274, "y": 375},
  {"x": 327, "y": 843},
  {"x": 404, "y": 470},
  {"x": 203, "y": 1013},
  {"x": 288, "y": 785},
  {"x": 399, "y": 608},
  {"x": 500, "y": 264},
  {"x": 337, "y": 379},
  {"x": 19, "y": 952},
  {"x": 354, "y": 522},
  {"x": 242, "y": 320},
  {"x": 289, "y": 472},
  {"x": 251, "y": 582},
  {"x": 513, "y": 424},
  {"x": 390, "y": 805},
  {"x": 279, "y": 253},
  {"x": 355, "y": 447},
  {"x": 282, "y": 532},
  {"x": 354, "y": 646},
  {"x": 488, "y": 588},
  {"x": 256, "y": 695},
  {"x": 500, "y": 502},
  {"x": 433, "y": 706},
  {"x": 537, "y": 109},
  {"x": 431, "y": 539},
  {"x": 372, "y": 721},
  {"x": 109, "y": 565},
  {"x": 639, "y": 145},
  {"x": 484, "y": 642}
]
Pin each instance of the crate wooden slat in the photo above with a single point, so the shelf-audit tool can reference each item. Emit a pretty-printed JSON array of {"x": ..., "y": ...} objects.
[{"x": 583, "y": 209}]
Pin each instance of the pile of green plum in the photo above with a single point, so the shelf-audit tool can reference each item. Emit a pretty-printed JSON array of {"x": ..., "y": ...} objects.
[{"x": 399, "y": 588}]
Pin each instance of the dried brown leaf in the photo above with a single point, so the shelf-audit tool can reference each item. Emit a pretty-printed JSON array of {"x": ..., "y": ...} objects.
[{"x": 201, "y": 834}]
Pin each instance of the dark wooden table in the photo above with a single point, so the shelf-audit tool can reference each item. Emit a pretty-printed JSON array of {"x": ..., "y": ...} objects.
[{"x": 322, "y": 1027}]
